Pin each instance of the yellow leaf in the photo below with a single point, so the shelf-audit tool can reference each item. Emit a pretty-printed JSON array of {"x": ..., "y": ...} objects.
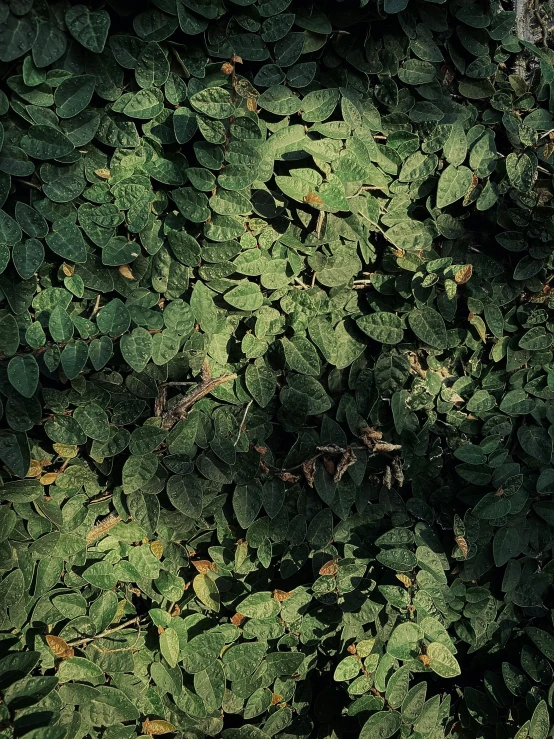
[
  {"x": 156, "y": 727},
  {"x": 67, "y": 451},
  {"x": 204, "y": 565},
  {"x": 35, "y": 469},
  {"x": 104, "y": 173},
  {"x": 157, "y": 549},
  {"x": 68, "y": 269},
  {"x": 479, "y": 325},
  {"x": 404, "y": 579},
  {"x": 463, "y": 274},
  {"x": 120, "y": 611},
  {"x": 125, "y": 271},
  {"x": 49, "y": 478}
]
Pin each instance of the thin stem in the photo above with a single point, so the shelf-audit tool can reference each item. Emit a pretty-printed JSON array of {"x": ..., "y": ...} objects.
[
  {"x": 29, "y": 184},
  {"x": 242, "y": 422},
  {"x": 106, "y": 632}
]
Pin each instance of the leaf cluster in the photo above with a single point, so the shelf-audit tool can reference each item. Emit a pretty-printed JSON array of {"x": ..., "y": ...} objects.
[{"x": 276, "y": 370}]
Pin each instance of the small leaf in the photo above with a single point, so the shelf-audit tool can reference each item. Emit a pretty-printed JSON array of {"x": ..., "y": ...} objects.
[{"x": 206, "y": 591}]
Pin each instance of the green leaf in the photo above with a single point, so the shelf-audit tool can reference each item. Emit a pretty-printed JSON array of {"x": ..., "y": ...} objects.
[
  {"x": 185, "y": 494},
  {"x": 138, "y": 471},
  {"x": 409, "y": 235},
  {"x": 136, "y": 348},
  {"x": 454, "y": 182},
  {"x": 169, "y": 646},
  {"x": 246, "y": 296},
  {"x": 23, "y": 374},
  {"x": 89, "y": 28},
  {"x": 214, "y": 102},
  {"x": 261, "y": 382},
  {"x": 10, "y": 232},
  {"x": 428, "y": 325},
  {"x": 442, "y": 661},
  {"x": 113, "y": 319},
  {"x": 206, "y": 591},
  {"x": 381, "y": 725},
  {"x": 383, "y": 327},
  {"x": 66, "y": 240},
  {"x": 101, "y": 575},
  {"x": 93, "y": 420},
  {"x": 73, "y": 95},
  {"x": 401, "y": 560},
  {"x": 46, "y": 142},
  {"x": 247, "y": 502}
]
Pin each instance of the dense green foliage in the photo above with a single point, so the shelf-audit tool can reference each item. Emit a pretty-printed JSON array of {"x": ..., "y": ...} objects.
[{"x": 276, "y": 370}]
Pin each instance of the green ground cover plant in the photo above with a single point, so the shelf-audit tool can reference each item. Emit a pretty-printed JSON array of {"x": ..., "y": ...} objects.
[{"x": 276, "y": 370}]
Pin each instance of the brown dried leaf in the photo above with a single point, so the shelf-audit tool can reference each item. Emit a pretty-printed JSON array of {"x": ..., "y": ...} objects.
[
  {"x": 59, "y": 647},
  {"x": 463, "y": 274},
  {"x": 385, "y": 446},
  {"x": 371, "y": 433},
  {"x": 238, "y": 619},
  {"x": 281, "y": 595},
  {"x": 346, "y": 461},
  {"x": 329, "y": 465},
  {"x": 311, "y": 197},
  {"x": 397, "y": 471},
  {"x": 351, "y": 649},
  {"x": 308, "y": 468},
  {"x": 287, "y": 476},
  {"x": 331, "y": 449},
  {"x": 425, "y": 659},
  {"x": 448, "y": 74},
  {"x": 329, "y": 568},
  {"x": 462, "y": 543},
  {"x": 276, "y": 698},
  {"x": 227, "y": 68}
]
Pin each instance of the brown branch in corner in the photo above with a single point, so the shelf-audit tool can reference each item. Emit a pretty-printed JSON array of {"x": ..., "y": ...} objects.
[{"x": 205, "y": 387}]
